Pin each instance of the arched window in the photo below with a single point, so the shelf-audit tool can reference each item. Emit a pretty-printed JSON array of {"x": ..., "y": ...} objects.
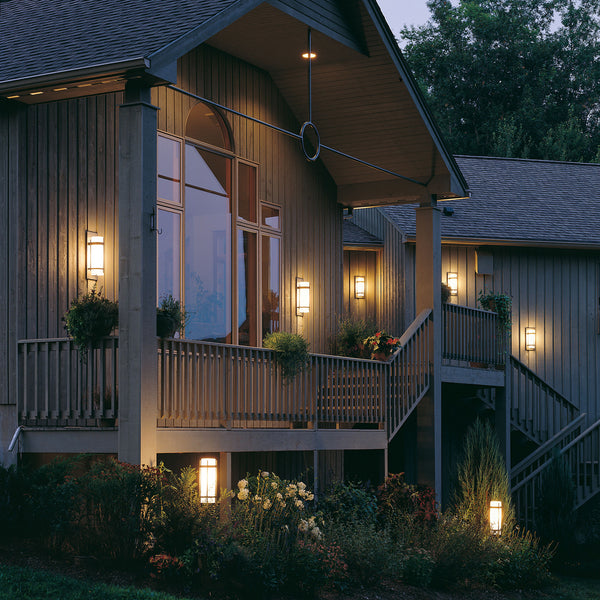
[{"x": 220, "y": 246}]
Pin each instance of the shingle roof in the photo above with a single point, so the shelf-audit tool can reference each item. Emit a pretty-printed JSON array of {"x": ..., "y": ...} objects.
[
  {"x": 520, "y": 200},
  {"x": 353, "y": 234},
  {"x": 46, "y": 36}
]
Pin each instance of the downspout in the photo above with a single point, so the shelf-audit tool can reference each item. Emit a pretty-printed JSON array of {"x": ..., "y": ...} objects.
[{"x": 15, "y": 438}]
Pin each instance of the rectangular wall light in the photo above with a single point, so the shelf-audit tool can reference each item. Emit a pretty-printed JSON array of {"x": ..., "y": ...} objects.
[
  {"x": 452, "y": 281},
  {"x": 207, "y": 479},
  {"x": 496, "y": 516},
  {"x": 95, "y": 255},
  {"x": 529, "y": 338},
  {"x": 359, "y": 287},
  {"x": 302, "y": 297}
]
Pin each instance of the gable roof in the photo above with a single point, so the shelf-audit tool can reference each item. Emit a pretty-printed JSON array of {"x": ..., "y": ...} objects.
[
  {"x": 354, "y": 235},
  {"x": 519, "y": 201}
]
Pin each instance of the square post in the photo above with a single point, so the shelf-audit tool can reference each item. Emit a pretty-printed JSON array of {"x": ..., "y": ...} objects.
[
  {"x": 138, "y": 380},
  {"x": 428, "y": 277}
]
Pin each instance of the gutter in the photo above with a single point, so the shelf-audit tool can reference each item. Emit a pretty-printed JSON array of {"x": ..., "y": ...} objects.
[{"x": 74, "y": 74}]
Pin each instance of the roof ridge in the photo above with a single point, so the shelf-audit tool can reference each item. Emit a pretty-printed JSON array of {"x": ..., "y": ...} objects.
[{"x": 528, "y": 160}]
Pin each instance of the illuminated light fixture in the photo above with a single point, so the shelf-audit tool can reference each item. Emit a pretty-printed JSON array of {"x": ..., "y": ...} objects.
[
  {"x": 529, "y": 338},
  {"x": 452, "y": 281},
  {"x": 311, "y": 55},
  {"x": 359, "y": 287},
  {"x": 496, "y": 517},
  {"x": 35, "y": 93},
  {"x": 12, "y": 97},
  {"x": 302, "y": 297},
  {"x": 95, "y": 255},
  {"x": 84, "y": 85},
  {"x": 59, "y": 89},
  {"x": 207, "y": 480}
]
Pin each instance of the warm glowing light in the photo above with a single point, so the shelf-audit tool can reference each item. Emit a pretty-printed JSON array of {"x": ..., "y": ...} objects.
[
  {"x": 496, "y": 516},
  {"x": 302, "y": 297},
  {"x": 529, "y": 338},
  {"x": 13, "y": 97},
  {"x": 59, "y": 89},
  {"x": 82, "y": 85},
  {"x": 35, "y": 93},
  {"x": 207, "y": 479},
  {"x": 95, "y": 255},
  {"x": 359, "y": 286},
  {"x": 452, "y": 281},
  {"x": 307, "y": 55}
]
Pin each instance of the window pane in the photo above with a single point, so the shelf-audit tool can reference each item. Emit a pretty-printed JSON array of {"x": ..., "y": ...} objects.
[
  {"x": 270, "y": 216},
  {"x": 207, "y": 170},
  {"x": 169, "y": 260},
  {"x": 169, "y": 173},
  {"x": 205, "y": 125},
  {"x": 207, "y": 266},
  {"x": 247, "y": 193},
  {"x": 247, "y": 292},
  {"x": 270, "y": 284}
]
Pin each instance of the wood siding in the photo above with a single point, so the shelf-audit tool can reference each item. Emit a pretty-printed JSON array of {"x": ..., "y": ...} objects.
[
  {"x": 391, "y": 310},
  {"x": 363, "y": 263},
  {"x": 311, "y": 218},
  {"x": 555, "y": 291}
]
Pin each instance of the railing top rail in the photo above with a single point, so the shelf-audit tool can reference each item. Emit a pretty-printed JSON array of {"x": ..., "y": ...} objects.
[
  {"x": 582, "y": 435},
  {"x": 412, "y": 328},
  {"x": 60, "y": 339},
  {"x": 523, "y": 367},
  {"x": 541, "y": 450},
  {"x": 450, "y": 305}
]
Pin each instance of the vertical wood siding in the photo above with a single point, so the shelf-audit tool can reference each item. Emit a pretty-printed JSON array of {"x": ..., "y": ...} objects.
[
  {"x": 391, "y": 276},
  {"x": 71, "y": 187},
  {"x": 555, "y": 291},
  {"x": 312, "y": 243},
  {"x": 364, "y": 263}
]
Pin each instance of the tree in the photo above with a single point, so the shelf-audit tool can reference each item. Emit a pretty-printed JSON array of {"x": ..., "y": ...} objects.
[{"x": 514, "y": 78}]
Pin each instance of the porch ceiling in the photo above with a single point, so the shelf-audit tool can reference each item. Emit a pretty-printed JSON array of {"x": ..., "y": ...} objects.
[{"x": 362, "y": 107}]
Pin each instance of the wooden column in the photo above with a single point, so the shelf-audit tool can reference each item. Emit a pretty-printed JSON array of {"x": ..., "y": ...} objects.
[
  {"x": 502, "y": 414},
  {"x": 428, "y": 277},
  {"x": 137, "y": 277}
]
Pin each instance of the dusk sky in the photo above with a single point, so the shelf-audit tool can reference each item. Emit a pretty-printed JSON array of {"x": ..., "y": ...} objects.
[{"x": 404, "y": 12}]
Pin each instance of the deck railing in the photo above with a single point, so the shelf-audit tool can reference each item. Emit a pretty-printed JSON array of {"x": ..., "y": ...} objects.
[
  {"x": 538, "y": 410},
  {"x": 581, "y": 452},
  {"x": 56, "y": 386},
  {"x": 203, "y": 384},
  {"x": 471, "y": 335}
]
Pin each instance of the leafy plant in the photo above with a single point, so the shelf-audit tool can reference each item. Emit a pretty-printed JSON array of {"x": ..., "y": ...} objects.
[
  {"x": 348, "y": 503},
  {"x": 500, "y": 304},
  {"x": 171, "y": 317},
  {"x": 291, "y": 352},
  {"x": 350, "y": 337},
  {"x": 382, "y": 343},
  {"x": 445, "y": 293},
  {"x": 90, "y": 318},
  {"x": 395, "y": 498},
  {"x": 482, "y": 477}
]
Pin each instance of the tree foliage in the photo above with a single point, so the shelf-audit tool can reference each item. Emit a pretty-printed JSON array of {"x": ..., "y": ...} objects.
[{"x": 518, "y": 78}]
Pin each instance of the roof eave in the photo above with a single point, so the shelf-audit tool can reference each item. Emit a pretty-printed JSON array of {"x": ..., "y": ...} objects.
[{"x": 516, "y": 242}]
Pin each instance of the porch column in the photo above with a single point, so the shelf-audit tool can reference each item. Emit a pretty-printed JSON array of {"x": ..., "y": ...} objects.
[
  {"x": 502, "y": 414},
  {"x": 137, "y": 277},
  {"x": 428, "y": 277}
]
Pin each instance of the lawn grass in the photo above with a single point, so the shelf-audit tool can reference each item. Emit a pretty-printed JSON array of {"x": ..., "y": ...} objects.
[
  {"x": 571, "y": 588},
  {"x": 28, "y": 584}
]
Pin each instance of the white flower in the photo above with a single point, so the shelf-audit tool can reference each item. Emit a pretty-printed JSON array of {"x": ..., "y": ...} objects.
[
  {"x": 312, "y": 521},
  {"x": 301, "y": 485},
  {"x": 267, "y": 504},
  {"x": 257, "y": 499},
  {"x": 264, "y": 474},
  {"x": 303, "y": 526},
  {"x": 283, "y": 505},
  {"x": 243, "y": 484},
  {"x": 243, "y": 494},
  {"x": 279, "y": 496},
  {"x": 291, "y": 490},
  {"x": 299, "y": 504},
  {"x": 316, "y": 533},
  {"x": 310, "y": 497},
  {"x": 301, "y": 493},
  {"x": 274, "y": 485}
]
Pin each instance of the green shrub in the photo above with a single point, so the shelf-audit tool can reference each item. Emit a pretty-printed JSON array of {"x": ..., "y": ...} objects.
[
  {"x": 90, "y": 318},
  {"x": 416, "y": 567},
  {"x": 482, "y": 477},
  {"x": 348, "y": 503},
  {"x": 13, "y": 491},
  {"x": 350, "y": 337},
  {"x": 500, "y": 304},
  {"x": 291, "y": 352}
]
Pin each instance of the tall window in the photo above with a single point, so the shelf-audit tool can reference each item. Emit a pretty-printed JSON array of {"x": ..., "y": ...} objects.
[{"x": 219, "y": 245}]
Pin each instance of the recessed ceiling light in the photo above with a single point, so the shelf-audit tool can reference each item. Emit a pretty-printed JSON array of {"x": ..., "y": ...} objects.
[
  {"x": 12, "y": 97},
  {"x": 311, "y": 55},
  {"x": 59, "y": 89},
  {"x": 35, "y": 93}
]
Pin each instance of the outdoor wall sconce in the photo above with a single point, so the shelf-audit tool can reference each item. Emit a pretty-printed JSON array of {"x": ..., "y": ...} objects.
[
  {"x": 207, "y": 480},
  {"x": 452, "y": 281},
  {"x": 529, "y": 338},
  {"x": 95, "y": 255},
  {"x": 359, "y": 287},
  {"x": 496, "y": 517},
  {"x": 302, "y": 297}
]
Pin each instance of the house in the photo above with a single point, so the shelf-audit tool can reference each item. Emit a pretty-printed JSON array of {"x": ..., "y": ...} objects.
[
  {"x": 204, "y": 156},
  {"x": 531, "y": 229}
]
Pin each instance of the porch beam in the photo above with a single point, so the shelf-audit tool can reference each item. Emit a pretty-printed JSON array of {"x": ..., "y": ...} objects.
[{"x": 138, "y": 379}]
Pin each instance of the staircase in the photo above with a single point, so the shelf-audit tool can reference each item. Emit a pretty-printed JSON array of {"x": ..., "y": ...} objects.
[{"x": 546, "y": 418}]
